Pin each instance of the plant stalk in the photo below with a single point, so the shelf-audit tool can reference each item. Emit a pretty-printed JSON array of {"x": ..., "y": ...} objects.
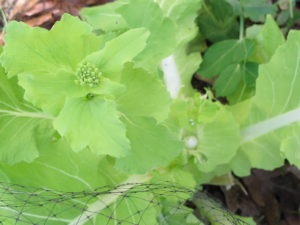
[
  {"x": 242, "y": 27},
  {"x": 95, "y": 208}
]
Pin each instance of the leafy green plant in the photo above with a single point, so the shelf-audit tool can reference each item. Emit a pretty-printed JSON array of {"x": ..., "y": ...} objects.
[
  {"x": 107, "y": 99},
  {"x": 74, "y": 87}
]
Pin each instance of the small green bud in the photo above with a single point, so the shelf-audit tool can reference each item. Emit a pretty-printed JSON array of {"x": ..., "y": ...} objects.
[{"x": 88, "y": 75}]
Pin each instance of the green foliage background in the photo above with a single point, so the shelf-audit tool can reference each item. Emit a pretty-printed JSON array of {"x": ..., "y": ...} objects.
[{"x": 81, "y": 136}]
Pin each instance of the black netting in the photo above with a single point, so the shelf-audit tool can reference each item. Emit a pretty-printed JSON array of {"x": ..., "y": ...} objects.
[{"x": 126, "y": 204}]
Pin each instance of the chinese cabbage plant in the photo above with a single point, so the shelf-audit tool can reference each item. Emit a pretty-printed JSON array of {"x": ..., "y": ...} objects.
[{"x": 107, "y": 100}]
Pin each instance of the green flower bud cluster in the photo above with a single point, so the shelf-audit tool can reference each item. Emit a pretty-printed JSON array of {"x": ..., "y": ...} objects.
[{"x": 88, "y": 75}]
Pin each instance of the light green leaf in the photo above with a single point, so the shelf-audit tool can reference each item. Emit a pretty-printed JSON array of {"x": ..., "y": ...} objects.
[
  {"x": 183, "y": 13},
  {"x": 152, "y": 145},
  {"x": 74, "y": 189},
  {"x": 136, "y": 209},
  {"x": 18, "y": 123},
  {"x": 93, "y": 123},
  {"x": 124, "y": 15},
  {"x": 140, "y": 13},
  {"x": 63, "y": 47},
  {"x": 57, "y": 173},
  {"x": 175, "y": 176},
  {"x": 240, "y": 164},
  {"x": 291, "y": 146},
  {"x": 218, "y": 141},
  {"x": 145, "y": 94},
  {"x": 268, "y": 38},
  {"x": 105, "y": 17},
  {"x": 49, "y": 76},
  {"x": 120, "y": 50},
  {"x": 214, "y": 129},
  {"x": 49, "y": 91},
  {"x": 222, "y": 54},
  {"x": 275, "y": 107},
  {"x": 64, "y": 169},
  {"x": 181, "y": 65},
  {"x": 282, "y": 77}
]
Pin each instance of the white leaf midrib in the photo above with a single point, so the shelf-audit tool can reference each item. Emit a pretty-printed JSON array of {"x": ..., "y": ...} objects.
[
  {"x": 36, "y": 115},
  {"x": 95, "y": 208},
  {"x": 266, "y": 126}
]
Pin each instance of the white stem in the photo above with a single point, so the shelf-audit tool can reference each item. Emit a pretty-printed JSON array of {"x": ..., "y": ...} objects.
[
  {"x": 95, "y": 208},
  {"x": 254, "y": 131},
  {"x": 171, "y": 76}
]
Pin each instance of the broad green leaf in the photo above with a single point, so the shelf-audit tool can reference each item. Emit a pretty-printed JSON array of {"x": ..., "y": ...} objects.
[
  {"x": 104, "y": 17},
  {"x": 183, "y": 13},
  {"x": 251, "y": 73},
  {"x": 291, "y": 146},
  {"x": 222, "y": 54},
  {"x": 120, "y": 50},
  {"x": 267, "y": 39},
  {"x": 18, "y": 123},
  {"x": 282, "y": 77},
  {"x": 175, "y": 176},
  {"x": 63, "y": 47},
  {"x": 124, "y": 15},
  {"x": 246, "y": 88},
  {"x": 237, "y": 82},
  {"x": 178, "y": 116},
  {"x": 257, "y": 9},
  {"x": 275, "y": 108},
  {"x": 140, "y": 13},
  {"x": 74, "y": 188},
  {"x": 152, "y": 145},
  {"x": 242, "y": 93},
  {"x": 59, "y": 173},
  {"x": 214, "y": 129},
  {"x": 93, "y": 123},
  {"x": 63, "y": 169},
  {"x": 241, "y": 165},
  {"x": 241, "y": 110},
  {"x": 135, "y": 209},
  {"x": 217, "y": 20},
  {"x": 218, "y": 141},
  {"x": 49, "y": 91},
  {"x": 145, "y": 94},
  {"x": 229, "y": 80},
  {"x": 49, "y": 76}
]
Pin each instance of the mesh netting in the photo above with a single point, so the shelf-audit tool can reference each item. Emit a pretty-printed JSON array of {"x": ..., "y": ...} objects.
[{"x": 126, "y": 204}]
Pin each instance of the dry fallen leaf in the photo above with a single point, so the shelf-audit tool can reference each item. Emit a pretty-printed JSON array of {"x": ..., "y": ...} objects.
[{"x": 42, "y": 13}]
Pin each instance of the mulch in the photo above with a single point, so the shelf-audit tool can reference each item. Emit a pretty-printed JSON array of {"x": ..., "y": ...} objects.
[{"x": 270, "y": 197}]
